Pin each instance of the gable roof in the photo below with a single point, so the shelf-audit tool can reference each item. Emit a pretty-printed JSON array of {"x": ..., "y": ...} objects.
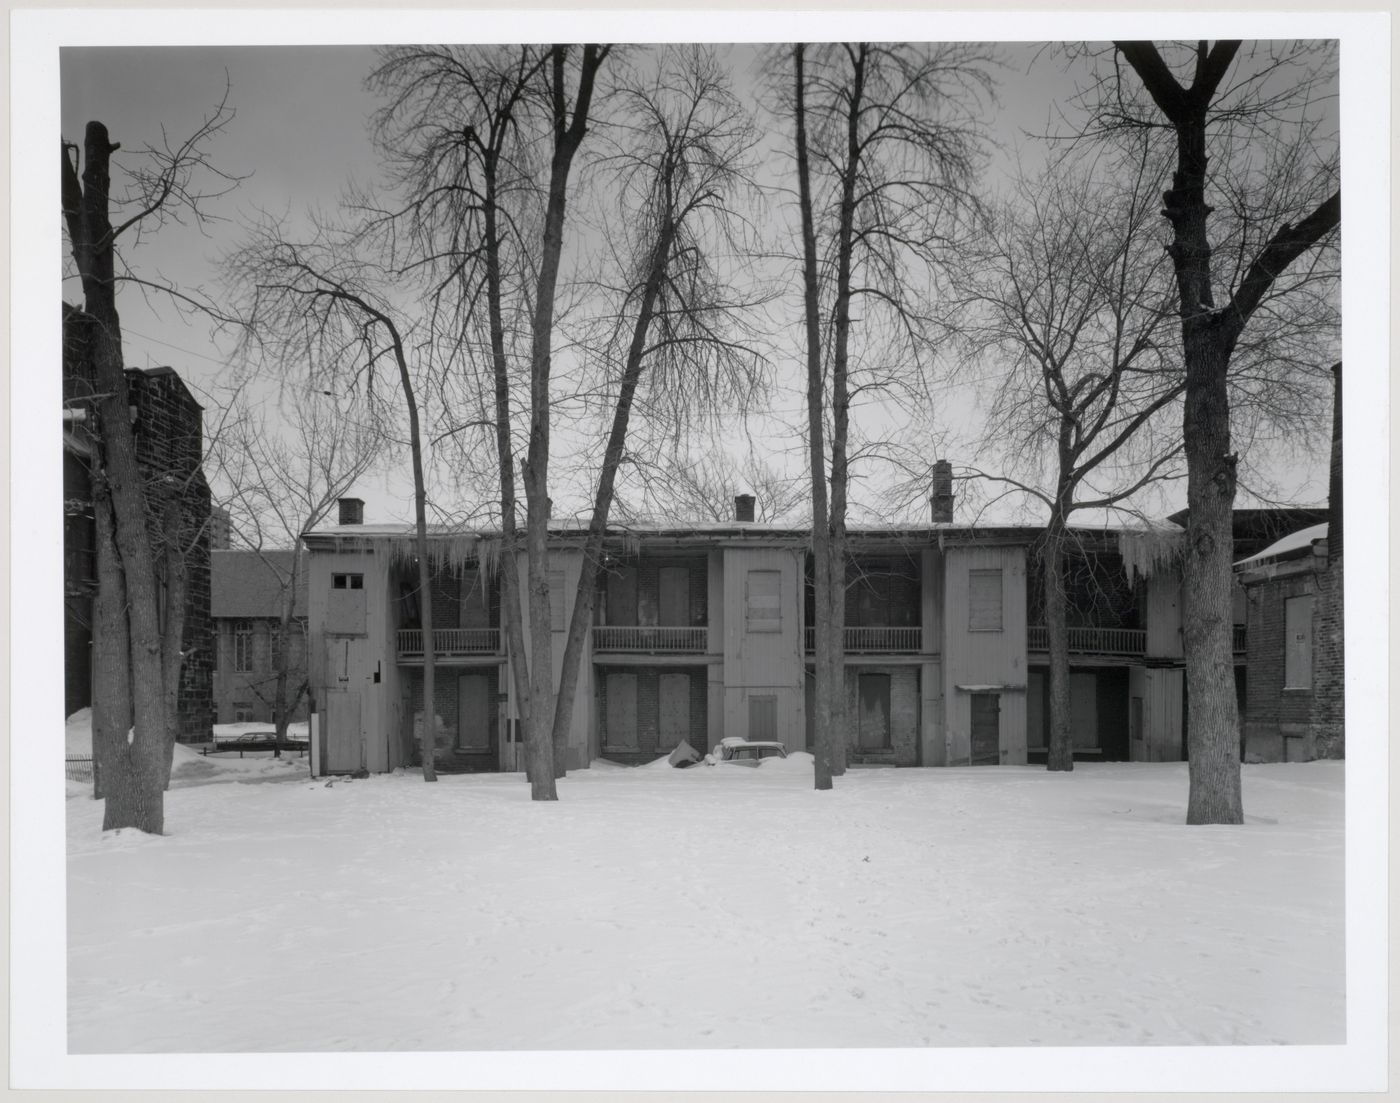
[{"x": 248, "y": 583}]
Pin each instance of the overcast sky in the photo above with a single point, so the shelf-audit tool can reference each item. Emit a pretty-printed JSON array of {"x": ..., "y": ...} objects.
[{"x": 300, "y": 131}]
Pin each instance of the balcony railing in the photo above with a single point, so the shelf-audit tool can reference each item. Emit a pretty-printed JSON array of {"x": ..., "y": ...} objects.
[
  {"x": 450, "y": 643},
  {"x": 1239, "y": 640},
  {"x": 1092, "y": 641},
  {"x": 650, "y": 639},
  {"x": 866, "y": 641}
]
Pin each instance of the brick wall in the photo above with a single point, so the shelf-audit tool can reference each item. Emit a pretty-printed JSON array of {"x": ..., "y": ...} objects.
[
  {"x": 447, "y": 758},
  {"x": 1328, "y": 719},
  {"x": 1294, "y": 724},
  {"x": 648, "y": 734},
  {"x": 169, "y": 446},
  {"x": 904, "y": 716},
  {"x": 255, "y": 688}
]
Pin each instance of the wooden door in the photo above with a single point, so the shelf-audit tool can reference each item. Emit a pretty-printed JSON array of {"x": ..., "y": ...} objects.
[
  {"x": 873, "y": 721},
  {"x": 1084, "y": 710},
  {"x": 344, "y": 742},
  {"x": 986, "y": 729},
  {"x": 673, "y": 694},
  {"x": 474, "y": 732}
]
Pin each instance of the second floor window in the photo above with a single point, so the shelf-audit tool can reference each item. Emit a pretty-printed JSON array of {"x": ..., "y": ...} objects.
[
  {"x": 243, "y": 646},
  {"x": 984, "y": 600},
  {"x": 763, "y": 602}
]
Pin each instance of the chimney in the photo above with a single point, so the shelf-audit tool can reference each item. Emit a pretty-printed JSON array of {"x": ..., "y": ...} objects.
[
  {"x": 352, "y": 511},
  {"x": 942, "y": 493},
  {"x": 743, "y": 507}
]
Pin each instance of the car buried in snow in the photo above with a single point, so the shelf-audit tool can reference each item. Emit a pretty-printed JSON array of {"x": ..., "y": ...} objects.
[{"x": 734, "y": 751}]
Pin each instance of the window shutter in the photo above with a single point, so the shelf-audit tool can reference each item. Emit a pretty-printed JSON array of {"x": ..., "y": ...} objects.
[
  {"x": 764, "y": 602},
  {"x": 984, "y": 600},
  {"x": 1297, "y": 616}
]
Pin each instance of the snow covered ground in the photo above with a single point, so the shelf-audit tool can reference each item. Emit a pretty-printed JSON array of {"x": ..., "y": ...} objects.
[{"x": 709, "y": 907}]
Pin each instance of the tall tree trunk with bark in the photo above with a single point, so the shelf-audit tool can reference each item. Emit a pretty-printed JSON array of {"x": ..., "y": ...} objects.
[
  {"x": 136, "y": 797},
  {"x": 582, "y": 617},
  {"x": 816, "y": 447},
  {"x": 1060, "y": 753},
  {"x": 545, "y": 760},
  {"x": 1209, "y": 336}
]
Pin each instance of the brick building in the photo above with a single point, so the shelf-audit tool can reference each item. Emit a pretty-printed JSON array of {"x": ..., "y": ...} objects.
[
  {"x": 168, "y": 424},
  {"x": 247, "y": 591},
  {"x": 1294, "y": 710}
]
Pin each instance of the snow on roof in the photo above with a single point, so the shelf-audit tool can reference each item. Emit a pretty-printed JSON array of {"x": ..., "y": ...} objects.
[{"x": 1293, "y": 542}]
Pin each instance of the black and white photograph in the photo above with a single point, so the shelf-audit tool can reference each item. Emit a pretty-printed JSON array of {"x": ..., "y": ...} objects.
[{"x": 785, "y": 552}]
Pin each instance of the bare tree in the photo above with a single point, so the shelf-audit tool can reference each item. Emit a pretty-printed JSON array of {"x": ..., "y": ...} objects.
[
  {"x": 278, "y": 483},
  {"x": 1068, "y": 287},
  {"x": 462, "y": 128},
  {"x": 886, "y": 146},
  {"x": 141, "y": 534},
  {"x": 678, "y": 163},
  {"x": 322, "y": 306},
  {"x": 687, "y": 488},
  {"x": 1260, "y": 118}
]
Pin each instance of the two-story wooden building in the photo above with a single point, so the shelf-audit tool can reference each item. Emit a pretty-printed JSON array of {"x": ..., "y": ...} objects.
[{"x": 705, "y": 631}]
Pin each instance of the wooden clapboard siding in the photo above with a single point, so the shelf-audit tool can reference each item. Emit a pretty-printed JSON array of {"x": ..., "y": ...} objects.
[
  {"x": 984, "y": 658},
  {"x": 763, "y": 663}
]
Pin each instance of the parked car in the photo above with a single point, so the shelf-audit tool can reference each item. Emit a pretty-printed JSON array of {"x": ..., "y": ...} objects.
[{"x": 741, "y": 752}]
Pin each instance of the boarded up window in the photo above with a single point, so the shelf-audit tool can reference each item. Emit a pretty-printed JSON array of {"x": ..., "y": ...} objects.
[
  {"x": 674, "y": 704},
  {"x": 1297, "y": 663},
  {"x": 874, "y": 721},
  {"x": 763, "y": 716},
  {"x": 675, "y": 596},
  {"x": 345, "y": 605},
  {"x": 621, "y": 719},
  {"x": 763, "y": 604},
  {"x": 984, "y": 600},
  {"x": 556, "y": 601}
]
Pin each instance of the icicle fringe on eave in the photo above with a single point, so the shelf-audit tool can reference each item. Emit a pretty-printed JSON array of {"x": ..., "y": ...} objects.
[
  {"x": 453, "y": 551},
  {"x": 1151, "y": 551}
]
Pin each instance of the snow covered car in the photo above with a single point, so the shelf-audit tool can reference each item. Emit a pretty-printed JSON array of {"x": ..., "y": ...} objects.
[{"x": 741, "y": 752}]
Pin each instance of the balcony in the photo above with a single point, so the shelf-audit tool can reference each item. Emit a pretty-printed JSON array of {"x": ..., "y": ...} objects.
[
  {"x": 1092, "y": 641},
  {"x": 876, "y": 641},
  {"x": 1239, "y": 640},
  {"x": 449, "y": 643},
  {"x": 651, "y": 640}
]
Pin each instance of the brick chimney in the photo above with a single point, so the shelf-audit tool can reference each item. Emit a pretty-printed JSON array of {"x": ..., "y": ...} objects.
[
  {"x": 942, "y": 498},
  {"x": 352, "y": 511},
  {"x": 743, "y": 507}
]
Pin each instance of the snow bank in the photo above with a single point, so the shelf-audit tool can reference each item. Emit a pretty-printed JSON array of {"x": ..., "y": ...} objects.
[{"x": 661, "y": 908}]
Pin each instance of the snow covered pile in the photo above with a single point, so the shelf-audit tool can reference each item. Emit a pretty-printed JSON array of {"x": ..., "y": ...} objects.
[{"x": 707, "y": 908}]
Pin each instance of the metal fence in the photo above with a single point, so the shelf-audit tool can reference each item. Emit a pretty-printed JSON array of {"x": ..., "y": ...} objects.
[{"x": 78, "y": 767}]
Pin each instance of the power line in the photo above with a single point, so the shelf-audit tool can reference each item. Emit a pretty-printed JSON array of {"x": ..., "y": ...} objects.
[{"x": 177, "y": 348}]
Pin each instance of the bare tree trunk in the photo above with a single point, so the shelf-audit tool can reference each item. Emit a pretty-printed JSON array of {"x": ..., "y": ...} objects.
[
  {"x": 1060, "y": 755},
  {"x": 111, "y": 670},
  {"x": 511, "y": 608},
  {"x": 841, "y": 409},
  {"x": 428, "y": 737},
  {"x": 91, "y": 233},
  {"x": 543, "y": 757},
  {"x": 176, "y": 586},
  {"x": 282, "y": 707},
  {"x": 816, "y": 448},
  {"x": 1207, "y": 585},
  {"x": 582, "y": 617}
]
